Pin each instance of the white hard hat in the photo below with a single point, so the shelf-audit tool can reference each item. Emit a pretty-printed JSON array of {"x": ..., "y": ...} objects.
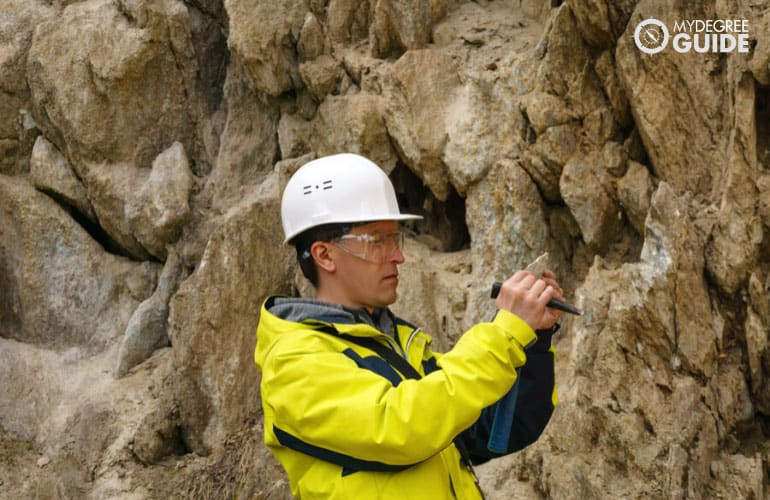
[{"x": 338, "y": 188}]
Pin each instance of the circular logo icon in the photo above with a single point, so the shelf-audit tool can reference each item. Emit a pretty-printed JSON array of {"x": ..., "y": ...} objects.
[{"x": 651, "y": 36}]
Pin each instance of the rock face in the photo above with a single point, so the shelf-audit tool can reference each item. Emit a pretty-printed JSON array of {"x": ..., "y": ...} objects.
[{"x": 143, "y": 148}]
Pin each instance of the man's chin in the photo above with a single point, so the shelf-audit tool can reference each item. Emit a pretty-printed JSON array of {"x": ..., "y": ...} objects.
[{"x": 388, "y": 299}]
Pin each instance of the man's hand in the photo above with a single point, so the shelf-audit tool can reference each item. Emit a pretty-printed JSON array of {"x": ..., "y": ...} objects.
[{"x": 526, "y": 296}]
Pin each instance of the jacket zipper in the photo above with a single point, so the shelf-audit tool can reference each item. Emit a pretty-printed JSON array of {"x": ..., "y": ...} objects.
[
  {"x": 394, "y": 345},
  {"x": 409, "y": 341}
]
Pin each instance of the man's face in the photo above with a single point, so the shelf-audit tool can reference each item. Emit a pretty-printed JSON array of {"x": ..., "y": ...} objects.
[{"x": 372, "y": 281}]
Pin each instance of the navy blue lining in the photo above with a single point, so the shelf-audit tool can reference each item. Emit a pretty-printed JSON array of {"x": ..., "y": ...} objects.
[
  {"x": 402, "y": 322},
  {"x": 348, "y": 463},
  {"x": 374, "y": 364},
  {"x": 536, "y": 383},
  {"x": 429, "y": 365}
]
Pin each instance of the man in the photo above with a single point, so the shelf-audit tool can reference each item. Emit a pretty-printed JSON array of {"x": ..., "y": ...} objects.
[{"x": 356, "y": 405}]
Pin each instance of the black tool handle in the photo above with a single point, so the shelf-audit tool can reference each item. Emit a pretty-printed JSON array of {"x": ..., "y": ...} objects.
[{"x": 553, "y": 303}]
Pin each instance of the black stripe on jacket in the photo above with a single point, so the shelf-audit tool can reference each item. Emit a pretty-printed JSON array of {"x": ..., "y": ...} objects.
[{"x": 349, "y": 464}]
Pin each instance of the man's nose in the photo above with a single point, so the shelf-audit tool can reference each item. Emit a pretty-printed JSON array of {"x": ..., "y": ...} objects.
[{"x": 397, "y": 256}]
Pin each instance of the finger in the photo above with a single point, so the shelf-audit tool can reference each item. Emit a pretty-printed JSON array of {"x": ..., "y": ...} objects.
[
  {"x": 558, "y": 292},
  {"x": 520, "y": 276},
  {"x": 537, "y": 288},
  {"x": 550, "y": 278}
]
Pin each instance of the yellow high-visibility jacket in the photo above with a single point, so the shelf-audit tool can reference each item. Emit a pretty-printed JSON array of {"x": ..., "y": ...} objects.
[{"x": 345, "y": 424}]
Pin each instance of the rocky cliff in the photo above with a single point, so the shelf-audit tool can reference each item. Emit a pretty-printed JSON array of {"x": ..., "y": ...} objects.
[{"x": 143, "y": 147}]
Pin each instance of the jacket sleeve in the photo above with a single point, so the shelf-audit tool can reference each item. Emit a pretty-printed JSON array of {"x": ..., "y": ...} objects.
[
  {"x": 536, "y": 400},
  {"x": 319, "y": 396}
]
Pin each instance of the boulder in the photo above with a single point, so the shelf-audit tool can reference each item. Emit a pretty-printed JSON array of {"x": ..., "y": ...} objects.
[
  {"x": 146, "y": 330},
  {"x": 320, "y": 76},
  {"x": 51, "y": 173},
  {"x": 263, "y": 36},
  {"x": 689, "y": 158},
  {"x": 643, "y": 347},
  {"x": 634, "y": 192},
  {"x": 422, "y": 86},
  {"x": 16, "y": 28},
  {"x": 508, "y": 230},
  {"x": 399, "y": 25},
  {"x": 353, "y": 124},
  {"x": 160, "y": 209},
  {"x": 129, "y": 78},
  {"x": 595, "y": 210},
  {"x": 214, "y": 315},
  {"x": 61, "y": 290},
  {"x": 311, "y": 38}
]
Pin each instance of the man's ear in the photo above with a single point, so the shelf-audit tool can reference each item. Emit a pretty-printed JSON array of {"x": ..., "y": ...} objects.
[{"x": 322, "y": 257}]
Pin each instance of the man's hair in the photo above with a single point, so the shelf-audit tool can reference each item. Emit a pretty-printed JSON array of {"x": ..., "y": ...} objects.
[{"x": 303, "y": 241}]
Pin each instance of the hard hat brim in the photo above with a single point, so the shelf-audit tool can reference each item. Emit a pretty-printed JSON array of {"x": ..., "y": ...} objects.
[{"x": 393, "y": 217}]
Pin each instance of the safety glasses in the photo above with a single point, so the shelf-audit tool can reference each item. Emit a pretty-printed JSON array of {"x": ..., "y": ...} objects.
[{"x": 372, "y": 247}]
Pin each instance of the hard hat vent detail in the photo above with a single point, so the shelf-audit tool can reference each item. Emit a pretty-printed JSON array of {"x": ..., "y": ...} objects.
[{"x": 325, "y": 185}]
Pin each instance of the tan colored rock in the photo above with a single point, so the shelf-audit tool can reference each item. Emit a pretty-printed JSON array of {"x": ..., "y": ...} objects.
[
  {"x": 248, "y": 145},
  {"x": 311, "y": 38},
  {"x": 16, "y": 28},
  {"x": 733, "y": 395},
  {"x": 263, "y": 35},
  {"x": 613, "y": 88},
  {"x": 360, "y": 66},
  {"x": 353, "y": 124},
  {"x": 759, "y": 286},
  {"x": 424, "y": 83},
  {"x": 320, "y": 76},
  {"x": 600, "y": 125},
  {"x": 214, "y": 315},
  {"x": 612, "y": 161},
  {"x": 61, "y": 290},
  {"x": 763, "y": 185},
  {"x": 565, "y": 54},
  {"x": 348, "y": 20},
  {"x": 595, "y": 210},
  {"x": 690, "y": 158},
  {"x": 601, "y": 22},
  {"x": 546, "y": 110},
  {"x": 146, "y": 330},
  {"x": 114, "y": 69},
  {"x": 737, "y": 236},
  {"x": 758, "y": 350},
  {"x": 695, "y": 325},
  {"x": 59, "y": 401},
  {"x": 160, "y": 209},
  {"x": 544, "y": 174},
  {"x": 50, "y": 172},
  {"x": 142, "y": 211},
  {"x": 485, "y": 125},
  {"x": 760, "y": 60},
  {"x": 545, "y": 159},
  {"x": 293, "y": 135},
  {"x": 640, "y": 353},
  {"x": 110, "y": 189},
  {"x": 739, "y": 475},
  {"x": 634, "y": 192},
  {"x": 398, "y": 26},
  {"x": 509, "y": 230}
]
